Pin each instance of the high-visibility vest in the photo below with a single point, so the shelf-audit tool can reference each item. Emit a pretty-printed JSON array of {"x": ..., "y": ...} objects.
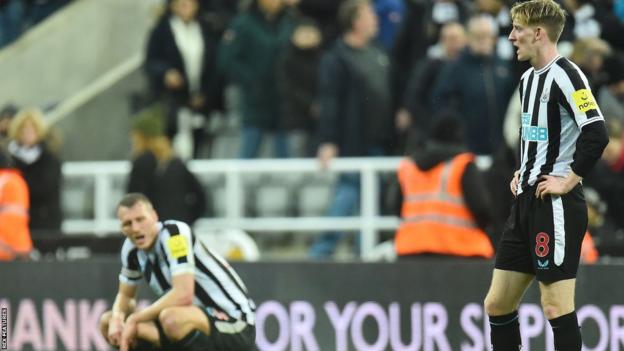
[
  {"x": 14, "y": 233},
  {"x": 435, "y": 218},
  {"x": 589, "y": 253}
]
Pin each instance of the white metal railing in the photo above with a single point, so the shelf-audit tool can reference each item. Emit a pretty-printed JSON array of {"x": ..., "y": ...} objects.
[{"x": 368, "y": 223}]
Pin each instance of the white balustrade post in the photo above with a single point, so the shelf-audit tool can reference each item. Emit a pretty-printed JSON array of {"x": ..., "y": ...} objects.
[
  {"x": 369, "y": 210},
  {"x": 233, "y": 195},
  {"x": 103, "y": 187}
]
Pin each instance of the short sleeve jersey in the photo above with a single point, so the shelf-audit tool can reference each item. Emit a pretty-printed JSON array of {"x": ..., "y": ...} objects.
[
  {"x": 557, "y": 103},
  {"x": 178, "y": 251}
]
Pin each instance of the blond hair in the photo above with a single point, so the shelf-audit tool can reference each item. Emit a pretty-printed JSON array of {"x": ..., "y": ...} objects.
[
  {"x": 32, "y": 115},
  {"x": 545, "y": 13}
]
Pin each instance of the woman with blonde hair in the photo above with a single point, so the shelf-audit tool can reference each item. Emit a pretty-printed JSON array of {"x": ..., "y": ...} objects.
[{"x": 41, "y": 169}]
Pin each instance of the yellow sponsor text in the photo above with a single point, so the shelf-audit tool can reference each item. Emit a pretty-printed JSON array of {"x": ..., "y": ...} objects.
[{"x": 584, "y": 100}]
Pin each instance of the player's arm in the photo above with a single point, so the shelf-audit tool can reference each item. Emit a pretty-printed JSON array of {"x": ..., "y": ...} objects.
[
  {"x": 589, "y": 147},
  {"x": 122, "y": 307},
  {"x": 592, "y": 138},
  {"x": 181, "y": 294},
  {"x": 179, "y": 250},
  {"x": 125, "y": 300}
]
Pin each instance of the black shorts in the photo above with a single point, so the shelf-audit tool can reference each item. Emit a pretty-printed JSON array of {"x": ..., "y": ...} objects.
[
  {"x": 544, "y": 237},
  {"x": 232, "y": 335}
]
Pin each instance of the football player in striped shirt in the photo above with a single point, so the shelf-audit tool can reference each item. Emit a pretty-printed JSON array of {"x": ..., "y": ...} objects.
[
  {"x": 202, "y": 305},
  {"x": 562, "y": 136}
]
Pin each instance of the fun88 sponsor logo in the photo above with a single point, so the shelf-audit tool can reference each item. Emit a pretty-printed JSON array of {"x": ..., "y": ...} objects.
[
  {"x": 534, "y": 133},
  {"x": 526, "y": 119}
]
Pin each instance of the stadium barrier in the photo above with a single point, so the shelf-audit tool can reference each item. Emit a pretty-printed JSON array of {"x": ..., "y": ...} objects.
[
  {"x": 105, "y": 176},
  {"x": 427, "y": 304}
]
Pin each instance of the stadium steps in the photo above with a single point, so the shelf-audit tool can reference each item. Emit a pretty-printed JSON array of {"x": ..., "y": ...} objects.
[{"x": 63, "y": 58}]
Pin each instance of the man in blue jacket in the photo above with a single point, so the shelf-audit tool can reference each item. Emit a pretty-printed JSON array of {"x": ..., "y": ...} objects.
[{"x": 478, "y": 86}]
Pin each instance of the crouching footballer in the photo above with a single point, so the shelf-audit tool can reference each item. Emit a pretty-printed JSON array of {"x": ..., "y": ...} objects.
[{"x": 202, "y": 305}]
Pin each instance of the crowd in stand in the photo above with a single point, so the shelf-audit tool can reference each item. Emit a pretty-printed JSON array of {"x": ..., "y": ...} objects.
[
  {"x": 323, "y": 79},
  {"x": 16, "y": 16},
  {"x": 332, "y": 78}
]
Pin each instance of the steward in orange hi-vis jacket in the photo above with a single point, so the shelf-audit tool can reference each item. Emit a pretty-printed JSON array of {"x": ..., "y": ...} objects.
[
  {"x": 435, "y": 219},
  {"x": 14, "y": 233}
]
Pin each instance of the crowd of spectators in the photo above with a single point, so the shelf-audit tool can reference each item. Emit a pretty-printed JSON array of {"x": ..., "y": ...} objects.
[
  {"x": 16, "y": 16},
  {"x": 323, "y": 80},
  {"x": 332, "y": 78}
]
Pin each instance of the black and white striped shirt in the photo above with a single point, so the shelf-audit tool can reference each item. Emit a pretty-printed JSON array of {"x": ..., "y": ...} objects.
[
  {"x": 556, "y": 104},
  {"x": 178, "y": 251}
]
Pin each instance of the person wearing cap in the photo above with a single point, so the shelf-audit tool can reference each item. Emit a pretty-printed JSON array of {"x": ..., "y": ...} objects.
[
  {"x": 444, "y": 211},
  {"x": 159, "y": 173},
  {"x": 15, "y": 241}
]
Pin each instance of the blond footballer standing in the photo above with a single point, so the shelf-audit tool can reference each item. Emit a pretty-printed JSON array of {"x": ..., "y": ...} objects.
[{"x": 562, "y": 136}]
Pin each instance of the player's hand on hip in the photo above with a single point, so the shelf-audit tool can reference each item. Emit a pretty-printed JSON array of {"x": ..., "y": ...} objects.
[
  {"x": 128, "y": 336},
  {"x": 115, "y": 327},
  {"x": 513, "y": 185},
  {"x": 551, "y": 185}
]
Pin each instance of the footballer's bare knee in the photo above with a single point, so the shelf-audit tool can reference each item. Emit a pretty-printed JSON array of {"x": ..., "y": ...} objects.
[
  {"x": 553, "y": 309},
  {"x": 103, "y": 323},
  {"x": 496, "y": 306},
  {"x": 172, "y": 322}
]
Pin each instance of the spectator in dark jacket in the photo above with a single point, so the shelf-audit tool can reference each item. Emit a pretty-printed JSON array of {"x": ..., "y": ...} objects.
[
  {"x": 297, "y": 76},
  {"x": 161, "y": 176},
  {"x": 478, "y": 87},
  {"x": 249, "y": 53},
  {"x": 41, "y": 169},
  {"x": 356, "y": 107},
  {"x": 607, "y": 178},
  {"x": 218, "y": 14},
  {"x": 414, "y": 115},
  {"x": 611, "y": 95},
  {"x": 354, "y": 90},
  {"x": 421, "y": 29},
  {"x": 181, "y": 66}
]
